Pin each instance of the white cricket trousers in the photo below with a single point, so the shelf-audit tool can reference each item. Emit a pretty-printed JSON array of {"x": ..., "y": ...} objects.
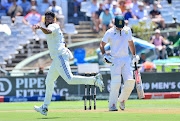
[
  {"x": 60, "y": 67},
  {"x": 120, "y": 66}
]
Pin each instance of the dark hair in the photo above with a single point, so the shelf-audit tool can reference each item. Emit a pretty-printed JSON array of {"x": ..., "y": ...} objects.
[{"x": 50, "y": 13}]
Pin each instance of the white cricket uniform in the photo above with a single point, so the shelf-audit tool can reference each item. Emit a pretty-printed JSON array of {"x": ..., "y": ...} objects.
[
  {"x": 121, "y": 59},
  {"x": 60, "y": 64}
]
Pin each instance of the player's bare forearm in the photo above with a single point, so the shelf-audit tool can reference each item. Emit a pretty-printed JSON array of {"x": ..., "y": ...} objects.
[
  {"x": 132, "y": 47},
  {"x": 44, "y": 30},
  {"x": 25, "y": 22},
  {"x": 102, "y": 44}
]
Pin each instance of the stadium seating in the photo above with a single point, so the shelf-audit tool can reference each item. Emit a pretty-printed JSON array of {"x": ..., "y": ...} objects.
[
  {"x": 168, "y": 19},
  {"x": 84, "y": 6},
  {"x": 6, "y": 20},
  {"x": 2, "y": 62},
  {"x": 18, "y": 19},
  {"x": 178, "y": 19},
  {"x": 70, "y": 30},
  {"x": 176, "y": 12},
  {"x": 132, "y": 22}
]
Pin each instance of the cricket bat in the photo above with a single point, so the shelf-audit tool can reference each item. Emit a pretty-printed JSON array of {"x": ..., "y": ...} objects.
[{"x": 139, "y": 86}]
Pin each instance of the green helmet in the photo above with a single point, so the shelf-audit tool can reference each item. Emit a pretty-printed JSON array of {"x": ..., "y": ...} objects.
[{"x": 119, "y": 21}]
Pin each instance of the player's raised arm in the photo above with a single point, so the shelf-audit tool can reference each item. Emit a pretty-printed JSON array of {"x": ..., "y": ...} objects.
[{"x": 44, "y": 30}]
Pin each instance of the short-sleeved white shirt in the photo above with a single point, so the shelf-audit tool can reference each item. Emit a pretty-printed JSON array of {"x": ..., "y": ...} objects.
[
  {"x": 55, "y": 41},
  {"x": 118, "y": 44},
  {"x": 141, "y": 14}
]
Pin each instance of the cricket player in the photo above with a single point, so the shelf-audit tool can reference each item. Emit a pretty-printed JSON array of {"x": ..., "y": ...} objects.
[
  {"x": 119, "y": 37},
  {"x": 60, "y": 64}
]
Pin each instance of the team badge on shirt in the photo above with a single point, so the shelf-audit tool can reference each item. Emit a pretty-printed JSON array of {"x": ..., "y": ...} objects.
[
  {"x": 120, "y": 22},
  {"x": 126, "y": 32}
]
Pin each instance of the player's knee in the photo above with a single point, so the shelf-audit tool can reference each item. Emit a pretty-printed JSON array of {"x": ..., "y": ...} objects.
[
  {"x": 116, "y": 79},
  {"x": 69, "y": 79},
  {"x": 129, "y": 84},
  {"x": 115, "y": 86},
  {"x": 48, "y": 82}
]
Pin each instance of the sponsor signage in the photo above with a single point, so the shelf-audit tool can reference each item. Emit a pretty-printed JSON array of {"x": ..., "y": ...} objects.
[{"x": 25, "y": 86}]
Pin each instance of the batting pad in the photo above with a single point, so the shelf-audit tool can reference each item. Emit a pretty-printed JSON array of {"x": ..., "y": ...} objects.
[
  {"x": 126, "y": 91},
  {"x": 113, "y": 95}
]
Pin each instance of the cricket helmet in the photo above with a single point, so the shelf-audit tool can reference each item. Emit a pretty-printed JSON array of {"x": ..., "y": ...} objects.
[{"x": 119, "y": 21}]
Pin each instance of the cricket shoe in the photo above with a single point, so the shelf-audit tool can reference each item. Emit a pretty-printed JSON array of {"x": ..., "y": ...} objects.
[
  {"x": 122, "y": 105},
  {"x": 99, "y": 82},
  {"x": 41, "y": 109},
  {"x": 113, "y": 108}
]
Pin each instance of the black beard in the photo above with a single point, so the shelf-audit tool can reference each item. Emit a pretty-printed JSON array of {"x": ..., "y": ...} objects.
[{"x": 47, "y": 24}]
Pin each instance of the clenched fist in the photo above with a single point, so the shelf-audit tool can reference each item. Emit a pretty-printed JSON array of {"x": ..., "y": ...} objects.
[{"x": 36, "y": 26}]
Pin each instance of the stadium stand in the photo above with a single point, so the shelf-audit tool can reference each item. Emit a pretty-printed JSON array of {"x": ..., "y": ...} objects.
[{"x": 82, "y": 27}]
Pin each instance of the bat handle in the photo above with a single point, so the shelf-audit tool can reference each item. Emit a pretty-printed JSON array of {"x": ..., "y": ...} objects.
[{"x": 135, "y": 66}]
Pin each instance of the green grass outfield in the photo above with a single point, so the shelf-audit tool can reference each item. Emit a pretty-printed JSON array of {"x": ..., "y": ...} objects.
[{"x": 136, "y": 110}]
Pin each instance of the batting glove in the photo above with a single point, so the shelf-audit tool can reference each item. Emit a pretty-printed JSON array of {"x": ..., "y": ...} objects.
[
  {"x": 107, "y": 59},
  {"x": 135, "y": 59}
]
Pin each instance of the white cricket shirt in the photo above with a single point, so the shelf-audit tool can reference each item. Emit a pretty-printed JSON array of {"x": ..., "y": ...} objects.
[
  {"x": 118, "y": 44},
  {"x": 55, "y": 41}
]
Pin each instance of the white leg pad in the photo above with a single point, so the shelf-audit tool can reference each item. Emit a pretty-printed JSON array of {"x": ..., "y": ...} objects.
[
  {"x": 126, "y": 91},
  {"x": 113, "y": 95}
]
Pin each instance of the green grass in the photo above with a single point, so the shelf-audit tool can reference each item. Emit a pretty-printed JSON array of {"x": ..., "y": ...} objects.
[
  {"x": 159, "y": 68},
  {"x": 136, "y": 110}
]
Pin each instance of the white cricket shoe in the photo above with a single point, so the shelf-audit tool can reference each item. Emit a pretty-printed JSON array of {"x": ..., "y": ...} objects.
[
  {"x": 113, "y": 108},
  {"x": 99, "y": 82},
  {"x": 122, "y": 105},
  {"x": 41, "y": 109}
]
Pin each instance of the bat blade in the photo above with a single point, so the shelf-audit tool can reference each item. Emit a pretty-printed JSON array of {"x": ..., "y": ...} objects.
[{"x": 139, "y": 86}]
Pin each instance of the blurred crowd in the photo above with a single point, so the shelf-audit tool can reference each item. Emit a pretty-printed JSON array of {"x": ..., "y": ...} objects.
[
  {"x": 33, "y": 10},
  {"x": 103, "y": 12},
  {"x": 160, "y": 12}
]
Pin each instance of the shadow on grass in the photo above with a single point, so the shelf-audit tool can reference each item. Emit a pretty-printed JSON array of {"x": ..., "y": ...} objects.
[{"x": 49, "y": 118}]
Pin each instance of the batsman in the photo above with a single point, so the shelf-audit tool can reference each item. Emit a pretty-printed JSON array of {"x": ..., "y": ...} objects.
[{"x": 120, "y": 38}]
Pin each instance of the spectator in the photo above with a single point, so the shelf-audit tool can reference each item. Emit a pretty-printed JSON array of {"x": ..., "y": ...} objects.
[
  {"x": 33, "y": 3},
  {"x": 128, "y": 2},
  {"x": 128, "y": 14},
  {"x": 169, "y": 1},
  {"x": 134, "y": 6},
  {"x": 94, "y": 8},
  {"x": 115, "y": 10},
  {"x": 1, "y": 6},
  {"x": 106, "y": 19},
  {"x": 58, "y": 12},
  {"x": 44, "y": 6},
  {"x": 41, "y": 70},
  {"x": 148, "y": 67},
  {"x": 6, "y": 4},
  {"x": 142, "y": 58},
  {"x": 33, "y": 18},
  {"x": 141, "y": 13},
  {"x": 97, "y": 14},
  {"x": 108, "y": 3},
  {"x": 77, "y": 3},
  {"x": 25, "y": 6},
  {"x": 122, "y": 6},
  {"x": 155, "y": 15},
  {"x": 15, "y": 10},
  {"x": 158, "y": 41},
  {"x": 19, "y": 2},
  {"x": 148, "y": 2}
]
